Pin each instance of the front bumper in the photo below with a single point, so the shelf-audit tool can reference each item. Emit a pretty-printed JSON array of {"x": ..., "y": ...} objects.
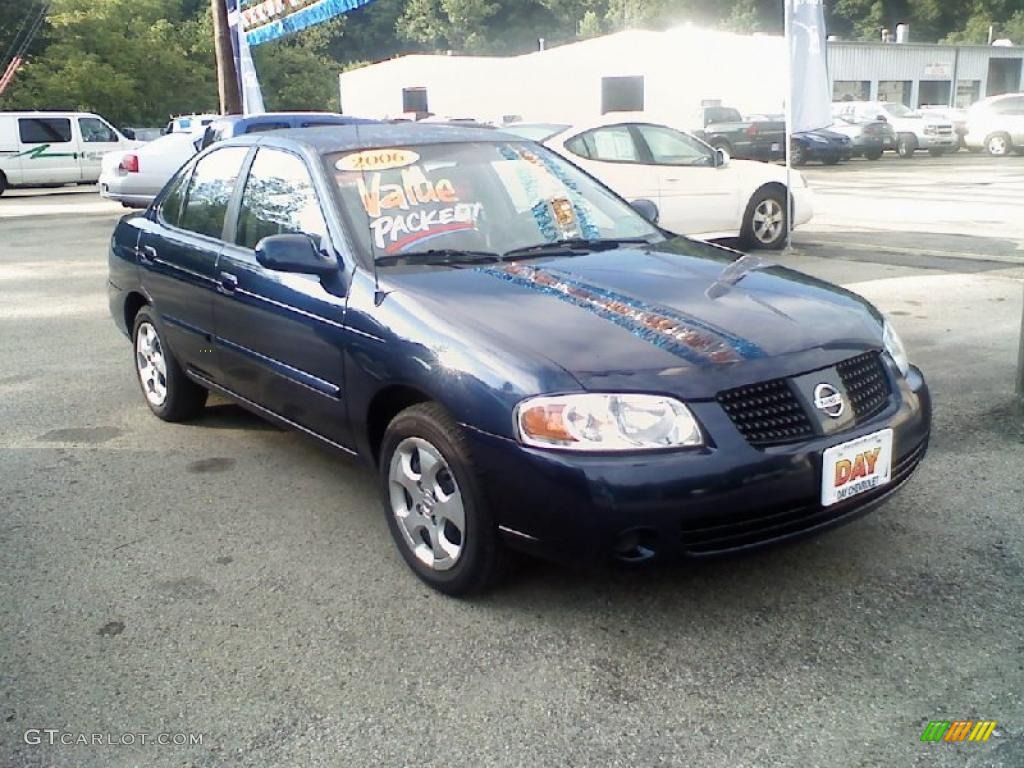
[
  {"x": 938, "y": 141},
  {"x": 724, "y": 498}
]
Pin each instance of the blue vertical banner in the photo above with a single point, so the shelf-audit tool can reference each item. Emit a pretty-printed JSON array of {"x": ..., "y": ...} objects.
[
  {"x": 266, "y": 20},
  {"x": 810, "y": 102},
  {"x": 248, "y": 82}
]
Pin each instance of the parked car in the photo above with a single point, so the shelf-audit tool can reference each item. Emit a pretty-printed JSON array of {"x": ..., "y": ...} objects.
[
  {"x": 914, "y": 130},
  {"x": 868, "y": 138},
  {"x": 956, "y": 115},
  {"x": 699, "y": 191},
  {"x": 751, "y": 139},
  {"x": 238, "y": 125},
  {"x": 53, "y": 148},
  {"x": 134, "y": 177},
  {"x": 822, "y": 145},
  {"x": 523, "y": 359},
  {"x": 996, "y": 124}
]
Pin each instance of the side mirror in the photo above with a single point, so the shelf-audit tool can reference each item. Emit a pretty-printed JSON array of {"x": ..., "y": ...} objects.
[
  {"x": 128, "y": 133},
  {"x": 721, "y": 158},
  {"x": 294, "y": 253},
  {"x": 646, "y": 208}
]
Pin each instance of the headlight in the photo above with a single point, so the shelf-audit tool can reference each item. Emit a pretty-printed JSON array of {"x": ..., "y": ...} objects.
[
  {"x": 596, "y": 422},
  {"x": 894, "y": 346}
]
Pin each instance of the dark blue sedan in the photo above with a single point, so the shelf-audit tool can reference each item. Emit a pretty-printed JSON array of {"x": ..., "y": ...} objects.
[{"x": 523, "y": 357}]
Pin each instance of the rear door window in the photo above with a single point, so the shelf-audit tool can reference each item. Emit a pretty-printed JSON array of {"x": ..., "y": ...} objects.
[
  {"x": 614, "y": 144},
  {"x": 44, "y": 130},
  {"x": 210, "y": 189},
  {"x": 261, "y": 127},
  {"x": 279, "y": 198}
]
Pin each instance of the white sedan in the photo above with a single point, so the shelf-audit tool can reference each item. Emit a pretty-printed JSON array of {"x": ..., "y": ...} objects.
[
  {"x": 699, "y": 191},
  {"x": 135, "y": 177}
]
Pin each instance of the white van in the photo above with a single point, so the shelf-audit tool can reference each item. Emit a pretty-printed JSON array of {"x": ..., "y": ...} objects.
[{"x": 40, "y": 148}]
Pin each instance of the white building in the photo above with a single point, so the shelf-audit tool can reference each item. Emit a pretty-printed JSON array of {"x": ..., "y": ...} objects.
[{"x": 669, "y": 74}]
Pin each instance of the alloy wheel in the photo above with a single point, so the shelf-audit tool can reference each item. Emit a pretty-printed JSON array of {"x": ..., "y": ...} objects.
[
  {"x": 997, "y": 145},
  {"x": 151, "y": 364},
  {"x": 427, "y": 503},
  {"x": 767, "y": 220}
]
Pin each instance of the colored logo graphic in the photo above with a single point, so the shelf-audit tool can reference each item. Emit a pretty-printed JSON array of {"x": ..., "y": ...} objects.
[
  {"x": 40, "y": 151},
  {"x": 958, "y": 730}
]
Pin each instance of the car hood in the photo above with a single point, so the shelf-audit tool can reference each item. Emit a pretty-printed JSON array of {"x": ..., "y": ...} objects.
[{"x": 681, "y": 317}]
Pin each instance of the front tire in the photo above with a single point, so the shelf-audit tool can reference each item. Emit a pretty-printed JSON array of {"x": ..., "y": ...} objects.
[
  {"x": 169, "y": 393},
  {"x": 998, "y": 144},
  {"x": 906, "y": 145},
  {"x": 873, "y": 154},
  {"x": 765, "y": 221},
  {"x": 3, "y": 183},
  {"x": 435, "y": 503}
]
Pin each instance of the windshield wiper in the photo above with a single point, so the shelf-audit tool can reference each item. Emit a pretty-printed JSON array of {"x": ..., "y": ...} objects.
[
  {"x": 572, "y": 244},
  {"x": 443, "y": 256}
]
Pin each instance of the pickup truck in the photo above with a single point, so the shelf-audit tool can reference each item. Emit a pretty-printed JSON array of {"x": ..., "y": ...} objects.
[{"x": 724, "y": 128}]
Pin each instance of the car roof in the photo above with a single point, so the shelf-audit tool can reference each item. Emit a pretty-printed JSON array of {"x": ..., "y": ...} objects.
[
  {"x": 270, "y": 117},
  {"x": 342, "y": 138}
]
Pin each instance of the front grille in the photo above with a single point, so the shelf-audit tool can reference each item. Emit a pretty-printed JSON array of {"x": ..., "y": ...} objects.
[
  {"x": 707, "y": 537},
  {"x": 767, "y": 413},
  {"x": 866, "y": 384}
]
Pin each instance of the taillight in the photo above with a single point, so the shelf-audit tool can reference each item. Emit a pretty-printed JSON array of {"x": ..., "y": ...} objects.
[
  {"x": 752, "y": 129},
  {"x": 129, "y": 164}
]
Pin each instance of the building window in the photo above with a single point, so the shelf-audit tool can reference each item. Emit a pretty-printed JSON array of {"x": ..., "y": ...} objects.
[
  {"x": 932, "y": 93},
  {"x": 894, "y": 90},
  {"x": 851, "y": 90},
  {"x": 414, "y": 100},
  {"x": 622, "y": 94},
  {"x": 1003, "y": 76},
  {"x": 967, "y": 92}
]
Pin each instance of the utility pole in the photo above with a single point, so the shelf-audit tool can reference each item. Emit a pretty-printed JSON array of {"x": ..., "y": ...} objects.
[{"x": 227, "y": 79}]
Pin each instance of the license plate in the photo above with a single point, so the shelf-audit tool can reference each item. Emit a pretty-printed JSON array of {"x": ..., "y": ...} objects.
[
  {"x": 776, "y": 147},
  {"x": 855, "y": 467}
]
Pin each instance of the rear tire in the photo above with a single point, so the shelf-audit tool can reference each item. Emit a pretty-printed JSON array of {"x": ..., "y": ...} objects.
[
  {"x": 873, "y": 154},
  {"x": 435, "y": 503},
  {"x": 765, "y": 221},
  {"x": 906, "y": 145},
  {"x": 169, "y": 393},
  {"x": 3, "y": 183},
  {"x": 998, "y": 144}
]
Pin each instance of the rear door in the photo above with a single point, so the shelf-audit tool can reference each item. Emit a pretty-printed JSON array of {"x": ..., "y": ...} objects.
[
  {"x": 694, "y": 195},
  {"x": 280, "y": 335},
  {"x": 10, "y": 148},
  {"x": 1012, "y": 116},
  {"x": 49, "y": 150},
  {"x": 178, "y": 254},
  {"x": 97, "y": 139}
]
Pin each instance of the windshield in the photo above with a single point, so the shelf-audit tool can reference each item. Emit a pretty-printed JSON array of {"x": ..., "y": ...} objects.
[
  {"x": 898, "y": 110},
  {"x": 491, "y": 197}
]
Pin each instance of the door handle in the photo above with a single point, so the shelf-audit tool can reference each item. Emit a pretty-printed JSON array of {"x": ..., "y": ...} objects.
[
  {"x": 147, "y": 255},
  {"x": 228, "y": 282}
]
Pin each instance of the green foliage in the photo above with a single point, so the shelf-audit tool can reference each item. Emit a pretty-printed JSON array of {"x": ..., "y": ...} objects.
[{"x": 138, "y": 61}]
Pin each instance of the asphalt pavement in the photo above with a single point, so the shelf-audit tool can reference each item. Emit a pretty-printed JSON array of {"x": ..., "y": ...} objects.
[{"x": 231, "y": 581}]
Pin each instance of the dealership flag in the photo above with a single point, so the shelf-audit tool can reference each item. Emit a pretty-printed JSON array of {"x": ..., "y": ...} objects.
[
  {"x": 248, "y": 83},
  {"x": 266, "y": 20},
  {"x": 809, "y": 98}
]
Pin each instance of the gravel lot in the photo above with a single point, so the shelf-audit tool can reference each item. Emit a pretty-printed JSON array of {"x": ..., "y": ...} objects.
[{"x": 229, "y": 579}]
